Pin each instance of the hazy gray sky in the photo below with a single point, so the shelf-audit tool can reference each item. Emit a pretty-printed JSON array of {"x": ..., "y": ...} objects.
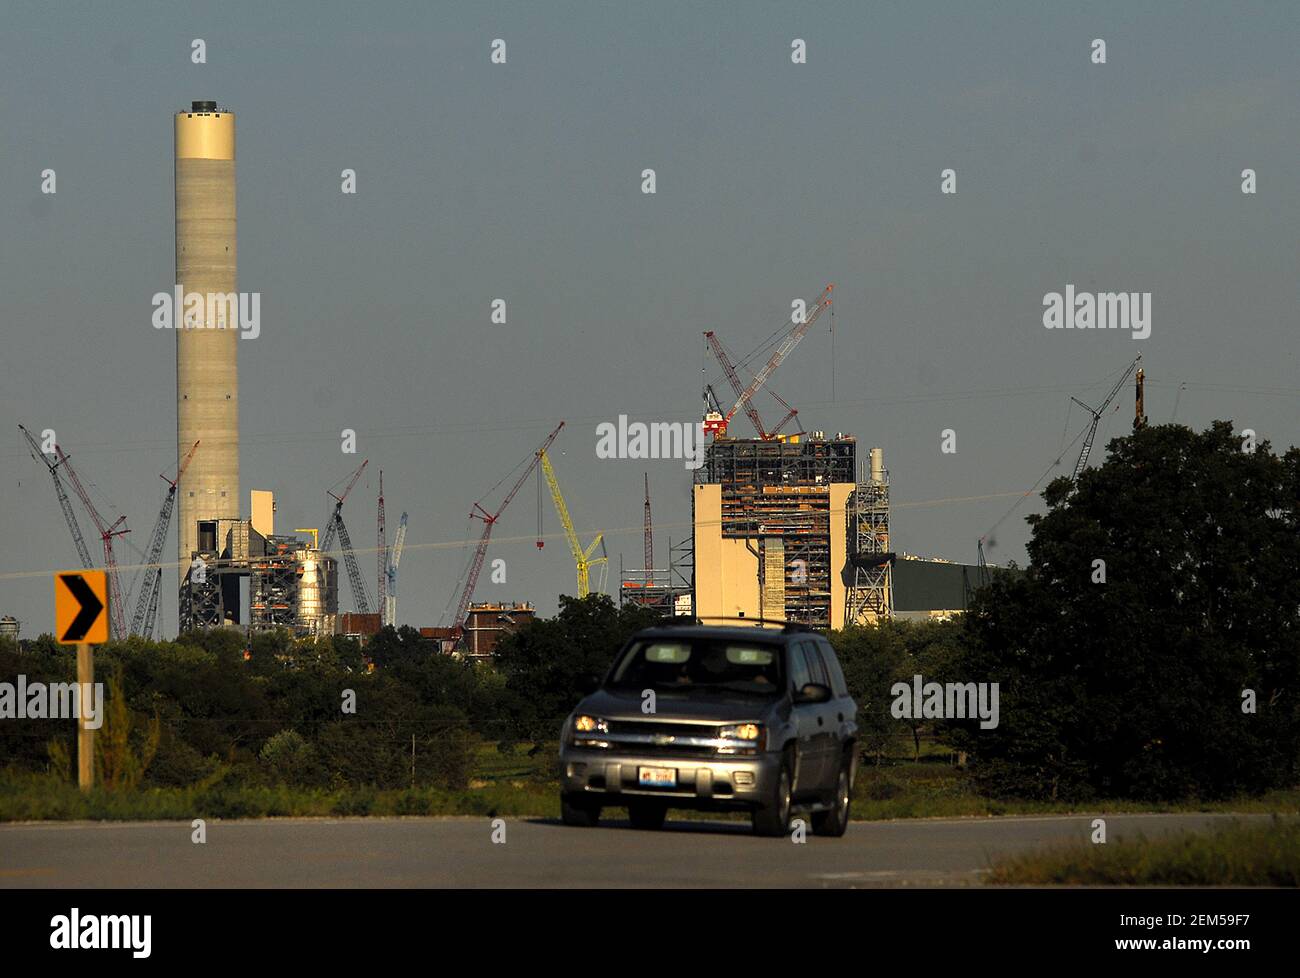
[{"x": 522, "y": 181}]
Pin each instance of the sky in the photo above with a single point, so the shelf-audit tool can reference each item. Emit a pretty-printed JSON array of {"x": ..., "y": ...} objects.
[{"x": 523, "y": 182}]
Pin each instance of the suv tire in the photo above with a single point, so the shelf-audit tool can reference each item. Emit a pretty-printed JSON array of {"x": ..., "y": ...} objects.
[
  {"x": 647, "y": 814},
  {"x": 578, "y": 811},
  {"x": 835, "y": 820},
  {"x": 772, "y": 817}
]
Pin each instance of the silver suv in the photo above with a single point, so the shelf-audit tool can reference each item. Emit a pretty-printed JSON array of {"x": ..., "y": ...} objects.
[{"x": 715, "y": 719}]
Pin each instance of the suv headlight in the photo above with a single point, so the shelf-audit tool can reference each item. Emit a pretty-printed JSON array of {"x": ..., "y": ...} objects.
[
  {"x": 741, "y": 731},
  {"x": 586, "y": 724}
]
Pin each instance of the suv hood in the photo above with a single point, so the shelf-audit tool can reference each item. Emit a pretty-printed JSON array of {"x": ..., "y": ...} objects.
[{"x": 618, "y": 704}]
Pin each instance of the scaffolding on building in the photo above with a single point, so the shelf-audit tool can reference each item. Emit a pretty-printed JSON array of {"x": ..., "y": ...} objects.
[
  {"x": 870, "y": 596},
  {"x": 776, "y": 496},
  {"x": 291, "y": 584},
  {"x": 668, "y": 589}
]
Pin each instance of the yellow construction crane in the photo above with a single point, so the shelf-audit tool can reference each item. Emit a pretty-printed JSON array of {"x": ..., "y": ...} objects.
[{"x": 582, "y": 558}]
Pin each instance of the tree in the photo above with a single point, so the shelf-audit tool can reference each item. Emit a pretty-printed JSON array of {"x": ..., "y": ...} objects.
[
  {"x": 1134, "y": 687},
  {"x": 546, "y": 662}
]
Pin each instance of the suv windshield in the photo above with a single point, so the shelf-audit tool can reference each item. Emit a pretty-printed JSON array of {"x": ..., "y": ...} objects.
[{"x": 681, "y": 664}]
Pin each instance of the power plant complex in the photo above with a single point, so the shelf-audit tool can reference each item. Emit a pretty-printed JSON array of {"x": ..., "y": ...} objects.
[{"x": 785, "y": 526}]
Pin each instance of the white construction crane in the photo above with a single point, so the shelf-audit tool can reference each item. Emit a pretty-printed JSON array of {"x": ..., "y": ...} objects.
[{"x": 390, "y": 597}]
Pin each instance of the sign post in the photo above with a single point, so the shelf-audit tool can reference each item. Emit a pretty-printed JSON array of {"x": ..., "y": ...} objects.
[{"x": 81, "y": 619}]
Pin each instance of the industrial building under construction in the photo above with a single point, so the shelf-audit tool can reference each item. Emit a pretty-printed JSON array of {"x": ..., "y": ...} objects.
[{"x": 786, "y": 529}]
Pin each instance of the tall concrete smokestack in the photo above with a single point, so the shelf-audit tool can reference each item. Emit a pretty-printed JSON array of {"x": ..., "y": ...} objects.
[{"x": 207, "y": 374}]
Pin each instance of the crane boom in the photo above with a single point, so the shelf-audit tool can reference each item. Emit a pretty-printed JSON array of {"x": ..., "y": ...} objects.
[
  {"x": 107, "y": 531},
  {"x": 335, "y": 526},
  {"x": 390, "y": 597},
  {"x": 330, "y": 529},
  {"x": 1080, "y": 465},
  {"x": 69, "y": 514},
  {"x": 790, "y": 341},
  {"x": 649, "y": 537},
  {"x": 582, "y": 559},
  {"x": 146, "y": 606},
  {"x": 359, "y": 594},
  {"x": 489, "y": 521},
  {"x": 737, "y": 387},
  {"x": 382, "y": 587}
]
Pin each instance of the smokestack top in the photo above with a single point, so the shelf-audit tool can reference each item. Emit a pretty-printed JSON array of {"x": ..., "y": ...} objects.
[{"x": 203, "y": 106}]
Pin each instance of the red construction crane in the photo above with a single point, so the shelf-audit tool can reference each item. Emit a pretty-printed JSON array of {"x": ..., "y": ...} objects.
[
  {"x": 69, "y": 514},
  {"x": 744, "y": 395},
  {"x": 146, "y": 606},
  {"x": 649, "y": 538},
  {"x": 336, "y": 525},
  {"x": 107, "y": 531},
  {"x": 382, "y": 588},
  {"x": 489, "y": 521}
]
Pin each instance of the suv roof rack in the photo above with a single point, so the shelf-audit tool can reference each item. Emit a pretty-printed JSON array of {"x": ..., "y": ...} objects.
[{"x": 689, "y": 621}]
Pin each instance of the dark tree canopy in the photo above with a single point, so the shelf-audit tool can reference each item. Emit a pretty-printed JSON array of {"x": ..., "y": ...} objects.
[{"x": 1134, "y": 687}]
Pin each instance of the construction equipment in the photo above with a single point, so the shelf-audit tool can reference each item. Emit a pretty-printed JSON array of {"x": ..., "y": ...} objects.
[
  {"x": 64, "y": 502},
  {"x": 649, "y": 538},
  {"x": 1140, "y": 401},
  {"x": 489, "y": 521},
  {"x": 718, "y": 426},
  {"x": 1096, "y": 418},
  {"x": 107, "y": 531},
  {"x": 714, "y": 419},
  {"x": 381, "y": 602},
  {"x": 336, "y": 526},
  {"x": 582, "y": 558},
  {"x": 146, "y": 606},
  {"x": 390, "y": 596}
]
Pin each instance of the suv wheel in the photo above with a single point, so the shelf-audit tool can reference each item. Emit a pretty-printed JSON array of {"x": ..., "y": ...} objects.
[
  {"x": 836, "y": 819},
  {"x": 772, "y": 817},
  {"x": 578, "y": 811},
  {"x": 647, "y": 814}
]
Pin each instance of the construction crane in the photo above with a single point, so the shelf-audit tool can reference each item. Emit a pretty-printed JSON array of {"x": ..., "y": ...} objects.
[
  {"x": 1096, "y": 418},
  {"x": 107, "y": 531},
  {"x": 489, "y": 521},
  {"x": 713, "y": 417},
  {"x": 337, "y": 526},
  {"x": 390, "y": 595},
  {"x": 649, "y": 538},
  {"x": 381, "y": 588},
  {"x": 64, "y": 502},
  {"x": 582, "y": 558},
  {"x": 1140, "y": 401},
  {"x": 718, "y": 426},
  {"x": 146, "y": 606}
]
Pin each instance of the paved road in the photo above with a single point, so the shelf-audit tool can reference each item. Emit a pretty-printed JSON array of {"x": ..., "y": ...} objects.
[{"x": 459, "y": 852}]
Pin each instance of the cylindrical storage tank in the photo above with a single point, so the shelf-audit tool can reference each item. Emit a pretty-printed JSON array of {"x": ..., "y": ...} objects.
[
  {"x": 877, "y": 465},
  {"x": 318, "y": 594},
  {"x": 207, "y": 380},
  {"x": 9, "y": 627}
]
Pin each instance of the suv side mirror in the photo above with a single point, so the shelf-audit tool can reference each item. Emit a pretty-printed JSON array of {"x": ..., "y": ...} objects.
[
  {"x": 812, "y": 693},
  {"x": 588, "y": 683}
]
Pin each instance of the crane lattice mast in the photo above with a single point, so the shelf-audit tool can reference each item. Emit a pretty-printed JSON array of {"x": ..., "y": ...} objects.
[
  {"x": 336, "y": 526},
  {"x": 146, "y": 606},
  {"x": 582, "y": 559},
  {"x": 69, "y": 514},
  {"x": 1080, "y": 465},
  {"x": 746, "y": 394},
  {"x": 489, "y": 521},
  {"x": 390, "y": 598}
]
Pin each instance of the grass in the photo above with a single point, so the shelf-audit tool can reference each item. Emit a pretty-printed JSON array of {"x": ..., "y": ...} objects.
[
  {"x": 524, "y": 784},
  {"x": 1238, "y": 854}
]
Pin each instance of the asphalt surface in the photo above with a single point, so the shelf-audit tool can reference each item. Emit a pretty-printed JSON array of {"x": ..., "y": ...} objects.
[{"x": 459, "y": 852}]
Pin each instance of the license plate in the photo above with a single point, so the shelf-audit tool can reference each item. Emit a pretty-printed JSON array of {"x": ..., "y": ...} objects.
[{"x": 658, "y": 777}]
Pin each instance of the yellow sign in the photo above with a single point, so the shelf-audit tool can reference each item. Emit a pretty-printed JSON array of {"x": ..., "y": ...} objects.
[{"x": 81, "y": 607}]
